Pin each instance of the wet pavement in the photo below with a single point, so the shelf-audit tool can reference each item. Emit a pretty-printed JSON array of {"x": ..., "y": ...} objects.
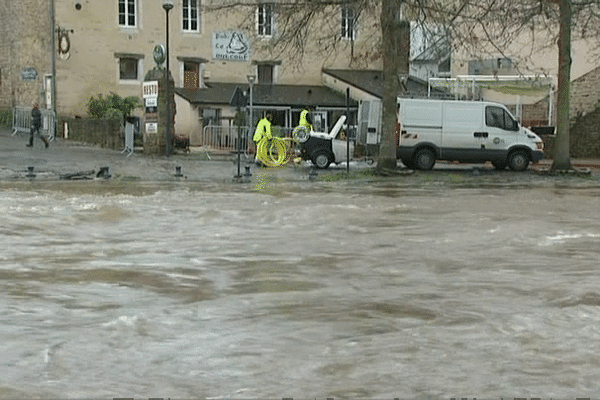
[{"x": 70, "y": 160}]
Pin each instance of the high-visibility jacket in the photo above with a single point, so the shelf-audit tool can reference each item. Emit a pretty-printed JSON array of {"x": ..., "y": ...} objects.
[
  {"x": 304, "y": 119},
  {"x": 263, "y": 129}
]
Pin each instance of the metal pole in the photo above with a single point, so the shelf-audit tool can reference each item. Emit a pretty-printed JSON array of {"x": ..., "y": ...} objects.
[
  {"x": 239, "y": 148},
  {"x": 250, "y": 122},
  {"x": 347, "y": 130},
  {"x": 53, "y": 46},
  {"x": 168, "y": 6},
  {"x": 251, "y": 81}
]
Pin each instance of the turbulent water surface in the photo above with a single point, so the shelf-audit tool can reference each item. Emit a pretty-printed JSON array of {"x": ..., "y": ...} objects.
[{"x": 304, "y": 291}]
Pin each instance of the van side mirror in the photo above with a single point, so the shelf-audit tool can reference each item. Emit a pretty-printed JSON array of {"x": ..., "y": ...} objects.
[{"x": 515, "y": 126}]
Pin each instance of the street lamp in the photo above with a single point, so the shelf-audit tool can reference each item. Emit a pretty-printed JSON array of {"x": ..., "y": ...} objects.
[
  {"x": 168, "y": 6},
  {"x": 251, "y": 82}
]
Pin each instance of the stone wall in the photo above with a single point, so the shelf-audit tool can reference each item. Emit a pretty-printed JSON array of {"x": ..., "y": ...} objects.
[
  {"x": 26, "y": 42},
  {"x": 584, "y": 137},
  {"x": 102, "y": 132}
]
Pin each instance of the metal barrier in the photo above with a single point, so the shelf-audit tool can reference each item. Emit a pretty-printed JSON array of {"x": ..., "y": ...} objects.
[
  {"x": 225, "y": 138},
  {"x": 22, "y": 122},
  {"x": 129, "y": 133}
]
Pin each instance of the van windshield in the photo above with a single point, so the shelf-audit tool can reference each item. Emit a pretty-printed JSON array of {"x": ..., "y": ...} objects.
[{"x": 499, "y": 118}]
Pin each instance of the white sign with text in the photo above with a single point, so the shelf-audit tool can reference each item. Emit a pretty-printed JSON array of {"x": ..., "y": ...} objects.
[{"x": 230, "y": 46}]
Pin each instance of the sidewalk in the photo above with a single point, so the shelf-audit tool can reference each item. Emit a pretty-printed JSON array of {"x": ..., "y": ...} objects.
[
  {"x": 66, "y": 159},
  {"x": 74, "y": 160}
]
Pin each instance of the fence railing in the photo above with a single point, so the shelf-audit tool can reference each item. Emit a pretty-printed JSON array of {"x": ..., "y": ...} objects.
[
  {"x": 22, "y": 122},
  {"x": 225, "y": 138}
]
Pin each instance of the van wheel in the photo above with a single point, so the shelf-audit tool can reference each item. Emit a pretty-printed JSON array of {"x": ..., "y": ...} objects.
[
  {"x": 424, "y": 159},
  {"x": 499, "y": 165},
  {"x": 321, "y": 159},
  {"x": 518, "y": 160}
]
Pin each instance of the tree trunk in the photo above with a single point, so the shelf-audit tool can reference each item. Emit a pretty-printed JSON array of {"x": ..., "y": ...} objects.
[
  {"x": 395, "y": 61},
  {"x": 562, "y": 160}
]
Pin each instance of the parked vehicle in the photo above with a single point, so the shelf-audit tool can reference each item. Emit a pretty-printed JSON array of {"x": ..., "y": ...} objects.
[
  {"x": 463, "y": 131},
  {"x": 322, "y": 148}
]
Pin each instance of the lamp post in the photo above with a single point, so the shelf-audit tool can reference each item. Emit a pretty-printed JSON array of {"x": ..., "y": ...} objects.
[
  {"x": 250, "y": 124},
  {"x": 168, "y": 6}
]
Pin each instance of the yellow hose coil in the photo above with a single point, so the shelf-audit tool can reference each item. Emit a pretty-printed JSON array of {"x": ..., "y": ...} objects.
[{"x": 274, "y": 152}]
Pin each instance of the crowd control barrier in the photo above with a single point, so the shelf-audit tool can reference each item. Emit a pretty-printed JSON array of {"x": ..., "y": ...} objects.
[{"x": 22, "y": 122}]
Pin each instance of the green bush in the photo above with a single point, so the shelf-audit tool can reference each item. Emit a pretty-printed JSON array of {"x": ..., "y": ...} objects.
[
  {"x": 112, "y": 106},
  {"x": 113, "y": 113},
  {"x": 6, "y": 117}
]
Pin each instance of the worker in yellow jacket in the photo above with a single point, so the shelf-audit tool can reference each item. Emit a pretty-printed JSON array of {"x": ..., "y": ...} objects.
[
  {"x": 305, "y": 119},
  {"x": 263, "y": 129},
  {"x": 262, "y": 132}
]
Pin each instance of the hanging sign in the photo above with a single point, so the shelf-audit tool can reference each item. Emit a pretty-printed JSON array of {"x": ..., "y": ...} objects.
[{"x": 160, "y": 55}]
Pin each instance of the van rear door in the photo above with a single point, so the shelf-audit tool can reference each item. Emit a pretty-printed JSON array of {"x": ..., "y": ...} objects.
[{"x": 463, "y": 131}]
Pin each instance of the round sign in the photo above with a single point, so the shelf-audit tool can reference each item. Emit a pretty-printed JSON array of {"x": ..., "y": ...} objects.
[{"x": 160, "y": 55}]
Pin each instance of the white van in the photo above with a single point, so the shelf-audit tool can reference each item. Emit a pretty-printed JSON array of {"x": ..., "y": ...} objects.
[{"x": 463, "y": 131}]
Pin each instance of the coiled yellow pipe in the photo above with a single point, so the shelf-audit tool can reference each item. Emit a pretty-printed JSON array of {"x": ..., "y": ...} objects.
[{"x": 273, "y": 152}]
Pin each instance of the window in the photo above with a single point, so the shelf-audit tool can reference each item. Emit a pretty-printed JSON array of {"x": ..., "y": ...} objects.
[
  {"x": 265, "y": 20},
  {"x": 499, "y": 118},
  {"x": 191, "y": 76},
  {"x": 348, "y": 23},
  {"x": 127, "y": 13},
  {"x": 190, "y": 15},
  {"x": 128, "y": 68},
  {"x": 265, "y": 73},
  {"x": 211, "y": 116}
]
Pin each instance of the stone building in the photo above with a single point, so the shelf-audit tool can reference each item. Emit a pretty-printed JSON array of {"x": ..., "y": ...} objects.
[{"x": 105, "y": 46}]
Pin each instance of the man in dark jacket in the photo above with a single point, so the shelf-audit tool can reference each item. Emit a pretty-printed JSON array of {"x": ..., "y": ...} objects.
[{"x": 36, "y": 125}]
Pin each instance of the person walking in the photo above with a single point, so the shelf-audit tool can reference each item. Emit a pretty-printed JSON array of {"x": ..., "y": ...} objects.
[{"x": 36, "y": 125}]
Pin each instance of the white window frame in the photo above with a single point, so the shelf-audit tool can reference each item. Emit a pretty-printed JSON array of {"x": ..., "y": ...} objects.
[
  {"x": 263, "y": 11},
  {"x": 128, "y": 14},
  {"x": 347, "y": 16},
  {"x": 188, "y": 6}
]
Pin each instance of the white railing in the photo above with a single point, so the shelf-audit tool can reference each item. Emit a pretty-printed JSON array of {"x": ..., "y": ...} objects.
[{"x": 225, "y": 138}]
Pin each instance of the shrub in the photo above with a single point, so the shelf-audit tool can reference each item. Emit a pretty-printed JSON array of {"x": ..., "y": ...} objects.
[
  {"x": 113, "y": 113},
  {"x": 5, "y": 117},
  {"x": 112, "y": 106}
]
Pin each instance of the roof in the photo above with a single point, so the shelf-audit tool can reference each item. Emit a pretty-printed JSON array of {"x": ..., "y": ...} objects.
[
  {"x": 267, "y": 95},
  {"x": 372, "y": 81}
]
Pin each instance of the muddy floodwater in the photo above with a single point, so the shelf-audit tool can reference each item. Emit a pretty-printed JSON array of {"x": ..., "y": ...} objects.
[{"x": 305, "y": 290}]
